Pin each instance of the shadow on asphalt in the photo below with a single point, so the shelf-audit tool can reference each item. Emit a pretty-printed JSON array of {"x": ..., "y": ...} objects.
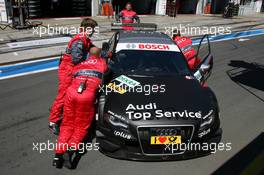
[
  {"x": 248, "y": 161},
  {"x": 247, "y": 74}
]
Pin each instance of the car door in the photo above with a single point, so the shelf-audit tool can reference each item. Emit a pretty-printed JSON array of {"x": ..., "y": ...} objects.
[{"x": 204, "y": 69}]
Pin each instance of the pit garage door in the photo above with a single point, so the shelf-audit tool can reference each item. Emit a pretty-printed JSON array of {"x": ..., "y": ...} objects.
[
  {"x": 187, "y": 6},
  {"x": 142, "y": 7},
  {"x": 59, "y": 8}
]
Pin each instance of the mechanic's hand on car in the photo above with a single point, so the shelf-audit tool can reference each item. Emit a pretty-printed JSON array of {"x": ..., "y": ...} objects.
[{"x": 54, "y": 128}]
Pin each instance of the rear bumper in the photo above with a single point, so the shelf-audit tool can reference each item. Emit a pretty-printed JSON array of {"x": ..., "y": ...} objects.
[{"x": 132, "y": 151}]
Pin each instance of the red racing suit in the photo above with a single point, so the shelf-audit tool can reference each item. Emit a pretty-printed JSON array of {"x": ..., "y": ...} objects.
[
  {"x": 128, "y": 16},
  {"x": 77, "y": 51},
  {"x": 185, "y": 44},
  {"x": 79, "y": 108}
]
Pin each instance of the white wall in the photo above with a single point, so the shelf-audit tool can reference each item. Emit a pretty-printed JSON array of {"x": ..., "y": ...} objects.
[
  {"x": 200, "y": 6},
  {"x": 3, "y": 11},
  {"x": 161, "y": 7},
  {"x": 95, "y": 7},
  {"x": 250, "y": 8}
]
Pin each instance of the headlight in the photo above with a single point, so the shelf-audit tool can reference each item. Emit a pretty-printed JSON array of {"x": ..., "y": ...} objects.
[
  {"x": 207, "y": 120},
  {"x": 116, "y": 120}
]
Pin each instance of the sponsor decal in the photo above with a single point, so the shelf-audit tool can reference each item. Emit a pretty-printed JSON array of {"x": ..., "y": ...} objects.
[
  {"x": 162, "y": 140},
  {"x": 209, "y": 114},
  {"x": 203, "y": 133},
  {"x": 116, "y": 88},
  {"x": 154, "y": 47},
  {"x": 122, "y": 134},
  {"x": 90, "y": 61},
  {"x": 131, "y": 46},
  {"x": 127, "y": 81},
  {"x": 117, "y": 120},
  {"x": 122, "y": 83},
  {"x": 147, "y": 46},
  {"x": 187, "y": 48},
  {"x": 150, "y": 111},
  {"x": 116, "y": 115},
  {"x": 182, "y": 39}
]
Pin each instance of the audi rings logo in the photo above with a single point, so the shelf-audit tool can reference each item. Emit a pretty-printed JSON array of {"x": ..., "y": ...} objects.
[
  {"x": 166, "y": 132},
  {"x": 92, "y": 61},
  {"x": 131, "y": 46}
]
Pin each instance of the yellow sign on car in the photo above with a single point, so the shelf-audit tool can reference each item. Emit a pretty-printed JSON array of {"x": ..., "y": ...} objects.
[
  {"x": 116, "y": 88},
  {"x": 162, "y": 140}
]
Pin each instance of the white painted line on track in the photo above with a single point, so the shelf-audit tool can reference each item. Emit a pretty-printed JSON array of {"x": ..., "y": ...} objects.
[
  {"x": 39, "y": 42},
  {"x": 28, "y": 73},
  {"x": 28, "y": 62},
  {"x": 243, "y": 39}
]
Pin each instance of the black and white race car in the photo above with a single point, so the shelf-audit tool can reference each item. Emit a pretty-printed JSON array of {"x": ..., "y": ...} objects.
[{"x": 154, "y": 106}]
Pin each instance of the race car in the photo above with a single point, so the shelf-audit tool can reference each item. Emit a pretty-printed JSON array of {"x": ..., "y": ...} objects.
[{"x": 152, "y": 103}]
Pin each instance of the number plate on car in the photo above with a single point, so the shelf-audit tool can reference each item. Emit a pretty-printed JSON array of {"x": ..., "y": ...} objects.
[{"x": 160, "y": 140}]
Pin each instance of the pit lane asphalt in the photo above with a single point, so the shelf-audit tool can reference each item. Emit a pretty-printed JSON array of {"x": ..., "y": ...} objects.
[{"x": 24, "y": 104}]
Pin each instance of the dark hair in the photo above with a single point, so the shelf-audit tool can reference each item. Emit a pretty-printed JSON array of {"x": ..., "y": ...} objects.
[
  {"x": 128, "y": 3},
  {"x": 176, "y": 32},
  {"x": 88, "y": 22}
]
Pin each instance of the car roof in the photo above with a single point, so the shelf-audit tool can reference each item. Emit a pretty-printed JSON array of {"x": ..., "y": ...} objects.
[{"x": 144, "y": 37}]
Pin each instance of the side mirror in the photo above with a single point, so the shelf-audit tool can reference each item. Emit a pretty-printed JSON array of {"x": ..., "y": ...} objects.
[{"x": 204, "y": 70}]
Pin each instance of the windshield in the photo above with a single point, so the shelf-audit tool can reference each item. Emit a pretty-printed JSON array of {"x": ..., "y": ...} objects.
[{"x": 141, "y": 62}]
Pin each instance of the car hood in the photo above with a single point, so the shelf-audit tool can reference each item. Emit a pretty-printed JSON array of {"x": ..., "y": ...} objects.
[{"x": 179, "y": 98}]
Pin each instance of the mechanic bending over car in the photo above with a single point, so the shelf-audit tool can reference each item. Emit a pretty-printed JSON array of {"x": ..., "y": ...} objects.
[
  {"x": 185, "y": 44},
  {"x": 76, "y": 52},
  {"x": 79, "y": 106},
  {"x": 128, "y": 15}
]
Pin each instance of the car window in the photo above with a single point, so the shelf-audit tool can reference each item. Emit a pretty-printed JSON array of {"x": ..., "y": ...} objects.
[{"x": 150, "y": 63}]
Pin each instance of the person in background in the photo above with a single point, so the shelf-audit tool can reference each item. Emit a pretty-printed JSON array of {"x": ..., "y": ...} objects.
[
  {"x": 107, "y": 9},
  {"x": 76, "y": 52},
  {"x": 79, "y": 107},
  {"x": 128, "y": 15}
]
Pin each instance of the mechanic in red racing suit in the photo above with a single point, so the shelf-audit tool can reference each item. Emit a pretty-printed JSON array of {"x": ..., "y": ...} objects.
[
  {"x": 79, "y": 106},
  {"x": 128, "y": 15},
  {"x": 185, "y": 44},
  {"x": 76, "y": 52}
]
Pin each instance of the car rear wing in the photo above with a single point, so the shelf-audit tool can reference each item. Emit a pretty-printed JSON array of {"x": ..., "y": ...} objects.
[{"x": 134, "y": 26}]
